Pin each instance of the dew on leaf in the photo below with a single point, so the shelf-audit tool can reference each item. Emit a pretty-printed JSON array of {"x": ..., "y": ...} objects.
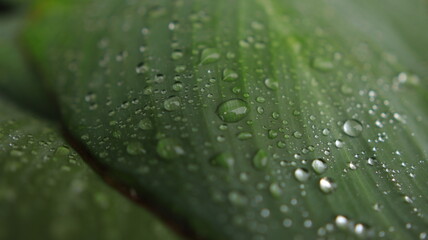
[
  {"x": 145, "y": 124},
  {"x": 301, "y": 174},
  {"x": 172, "y": 103},
  {"x": 341, "y": 221},
  {"x": 271, "y": 83},
  {"x": 319, "y": 166},
  {"x": 339, "y": 143},
  {"x": 275, "y": 190},
  {"x": 229, "y": 75},
  {"x": 177, "y": 86},
  {"x": 352, "y": 128},
  {"x": 169, "y": 148},
  {"x": 224, "y": 160},
  {"x": 232, "y": 110},
  {"x": 244, "y": 135},
  {"x": 322, "y": 64},
  {"x": 237, "y": 198},
  {"x": 176, "y": 54},
  {"x": 327, "y": 185},
  {"x": 134, "y": 148},
  {"x": 260, "y": 159},
  {"x": 209, "y": 55}
]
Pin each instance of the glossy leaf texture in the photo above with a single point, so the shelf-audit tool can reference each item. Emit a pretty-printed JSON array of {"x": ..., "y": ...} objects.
[{"x": 255, "y": 119}]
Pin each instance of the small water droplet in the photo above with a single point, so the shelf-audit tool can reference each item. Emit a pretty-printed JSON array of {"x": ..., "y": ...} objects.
[
  {"x": 169, "y": 148},
  {"x": 224, "y": 160},
  {"x": 134, "y": 148},
  {"x": 237, "y": 198},
  {"x": 322, "y": 64},
  {"x": 176, "y": 54},
  {"x": 352, "y": 128},
  {"x": 232, "y": 110},
  {"x": 301, "y": 174},
  {"x": 275, "y": 190},
  {"x": 209, "y": 55},
  {"x": 341, "y": 221},
  {"x": 327, "y": 185},
  {"x": 244, "y": 135},
  {"x": 177, "y": 86},
  {"x": 271, "y": 84},
  {"x": 145, "y": 124},
  {"x": 319, "y": 166},
  {"x": 229, "y": 75},
  {"x": 339, "y": 143},
  {"x": 260, "y": 159},
  {"x": 172, "y": 103}
]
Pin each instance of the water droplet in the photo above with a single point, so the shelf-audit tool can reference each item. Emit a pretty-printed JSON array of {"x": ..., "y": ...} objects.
[
  {"x": 172, "y": 103},
  {"x": 287, "y": 222},
  {"x": 232, "y": 110},
  {"x": 237, "y": 198},
  {"x": 265, "y": 213},
  {"x": 327, "y": 185},
  {"x": 301, "y": 174},
  {"x": 176, "y": 54},
  {"x": 322, "y": 64},
  {"x": 177, "y": 86},
  {"x": 352, "y": 128},
  {"x": 275, "y": 190},
  {"x": 141, "y": 68},
  {"x": 224, "y": 160},
  {"x": 325, "y": 131},
  {"x": 209, "y": 55},
  {"x": 244, "y": 135},
  {"x": 145, "y": 124},
  {"x": 272, "y": 134},
  {"x": 297, "y": 134},
  {"x": 62, "y": 151},
  {"x": 319, "y": 166},
  {"x": 271, "y": 84},
  {"x": 134, "y": 148},
  {"x": 260, "y": 159},
  {"x": 229, "y": 75},
  {"x": 339, "y": 143},
  {"x": 341, "y": 221},
  {"x": 169, "y": 148}
]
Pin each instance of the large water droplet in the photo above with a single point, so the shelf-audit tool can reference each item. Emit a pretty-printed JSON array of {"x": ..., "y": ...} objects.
[
  {"x": 260, "y": 159},
  {"x": 352, "y": 128},
  {"x": 232, "y": 110},
  {"x": 169, "y": 148}
]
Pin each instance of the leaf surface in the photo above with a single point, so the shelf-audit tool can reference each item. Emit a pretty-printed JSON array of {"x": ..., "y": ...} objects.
[{"x": 255, "y": 119}]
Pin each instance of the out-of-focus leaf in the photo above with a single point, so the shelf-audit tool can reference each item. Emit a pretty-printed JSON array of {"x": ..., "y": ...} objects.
[
  {"x": 17, "y": 81},
  {"x": 251, "y": 119},
  {"x": 48, "y": 192}
]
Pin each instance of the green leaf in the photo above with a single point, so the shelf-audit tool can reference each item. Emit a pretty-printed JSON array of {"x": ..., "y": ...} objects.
[
  {"x": 48, "y": 192},
  {"x": 325, "y": 136}
]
